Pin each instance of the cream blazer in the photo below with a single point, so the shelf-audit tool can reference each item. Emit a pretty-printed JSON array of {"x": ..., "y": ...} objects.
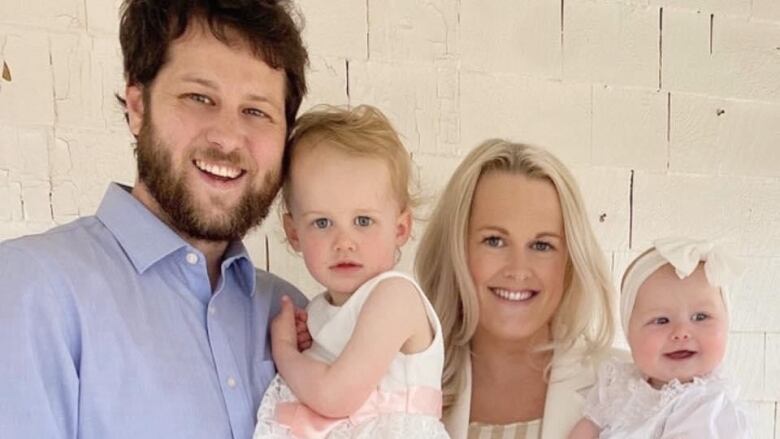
[{"x": 570, "y": 379}]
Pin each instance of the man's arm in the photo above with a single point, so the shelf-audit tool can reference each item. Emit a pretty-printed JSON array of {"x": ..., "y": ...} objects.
[{"x": 39, "y": 345}]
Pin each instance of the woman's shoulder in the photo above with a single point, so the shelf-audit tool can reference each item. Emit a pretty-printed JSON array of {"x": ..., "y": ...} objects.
[
  {"x": 612, "y": 355},
  {"x": 582, "y": 355}
]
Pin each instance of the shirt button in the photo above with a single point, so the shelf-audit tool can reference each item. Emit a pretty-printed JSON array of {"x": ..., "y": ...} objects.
[
  {"x": 231, "y": 382},
  {"x": 212, "y": 310},
  {"x": 192, "y": 258}
]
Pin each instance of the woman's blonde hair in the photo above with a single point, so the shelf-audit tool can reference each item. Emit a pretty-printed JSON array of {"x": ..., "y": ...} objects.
[
  {"x": 441, "y": 264},
  {"x": 362, "y": 131}
]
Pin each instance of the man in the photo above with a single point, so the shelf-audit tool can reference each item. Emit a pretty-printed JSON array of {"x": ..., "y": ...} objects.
[{"x": 148, "y": 320}]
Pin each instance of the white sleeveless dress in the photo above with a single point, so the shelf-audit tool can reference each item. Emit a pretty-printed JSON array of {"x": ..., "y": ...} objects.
[{"x": 405, "y": 404}]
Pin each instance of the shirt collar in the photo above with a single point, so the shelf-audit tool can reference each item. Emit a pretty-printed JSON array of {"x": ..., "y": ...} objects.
[
  {"x": 146, "y": 239},
  {"x": 236, "y": 253}
]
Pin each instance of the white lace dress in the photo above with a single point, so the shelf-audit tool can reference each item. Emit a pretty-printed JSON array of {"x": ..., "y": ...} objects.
[
  {"x": 406, "y": 403},
  {"x": 624, "y": 406}
]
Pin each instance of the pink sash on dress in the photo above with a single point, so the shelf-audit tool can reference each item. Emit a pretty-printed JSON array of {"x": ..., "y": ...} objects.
[{"x": 306, "y": 423}]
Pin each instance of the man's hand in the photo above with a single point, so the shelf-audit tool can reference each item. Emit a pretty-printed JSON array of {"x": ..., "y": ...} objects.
[{"x": 302, "y": 329}]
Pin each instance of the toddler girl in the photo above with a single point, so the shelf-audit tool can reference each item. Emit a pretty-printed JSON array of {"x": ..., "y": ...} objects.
[
  {"x": 374, "y": 368},
  {"x": 674, "y": 315}
]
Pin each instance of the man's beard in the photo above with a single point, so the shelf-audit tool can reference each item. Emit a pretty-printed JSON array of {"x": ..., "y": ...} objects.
[{"x": 179, "y": 204}]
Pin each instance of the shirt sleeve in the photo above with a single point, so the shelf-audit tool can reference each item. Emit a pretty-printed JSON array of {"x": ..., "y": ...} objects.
[
  {"x": 707, "y": 413},
  {"x": 39, "y": 348},
  {"x": 284, "y": 288}
]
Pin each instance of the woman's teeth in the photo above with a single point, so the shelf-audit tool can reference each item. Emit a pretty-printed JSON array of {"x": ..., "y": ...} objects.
[{"x": 515, "y": 296}]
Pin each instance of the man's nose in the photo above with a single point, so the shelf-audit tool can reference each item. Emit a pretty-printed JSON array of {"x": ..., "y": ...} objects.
[{"x": 225, "y": 131}]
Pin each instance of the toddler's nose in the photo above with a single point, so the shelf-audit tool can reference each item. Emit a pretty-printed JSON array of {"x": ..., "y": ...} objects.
[{"x": 344, "y": 242}]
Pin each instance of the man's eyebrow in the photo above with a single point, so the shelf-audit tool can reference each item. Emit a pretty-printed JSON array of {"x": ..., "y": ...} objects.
[
  {"x": 202, "y": 81},
  {"x": 264, "y": 99}
]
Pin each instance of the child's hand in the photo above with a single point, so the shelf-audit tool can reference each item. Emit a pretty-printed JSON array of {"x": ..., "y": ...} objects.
[
  {"x": 304, "y": 336},
  {"x": 283, "y": 327}
]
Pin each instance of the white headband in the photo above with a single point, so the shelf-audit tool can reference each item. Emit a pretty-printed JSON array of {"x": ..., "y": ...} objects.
[{"x": 684, "y": 256}]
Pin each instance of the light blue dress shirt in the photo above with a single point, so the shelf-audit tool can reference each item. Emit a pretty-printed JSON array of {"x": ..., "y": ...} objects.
[{"x": 109, "y": 329}]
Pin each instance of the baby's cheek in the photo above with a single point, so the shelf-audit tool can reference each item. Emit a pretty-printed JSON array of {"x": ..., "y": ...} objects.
[
  {"x": 718, "y": 345},
  {"x": 648, "y": 347}
]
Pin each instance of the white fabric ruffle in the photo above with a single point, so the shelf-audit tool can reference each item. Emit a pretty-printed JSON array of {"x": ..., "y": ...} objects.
[{"x": 624, "y": 405}]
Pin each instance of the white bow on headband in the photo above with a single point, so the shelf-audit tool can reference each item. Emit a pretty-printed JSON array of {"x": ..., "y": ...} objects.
[{"x": 684, "y": 255}]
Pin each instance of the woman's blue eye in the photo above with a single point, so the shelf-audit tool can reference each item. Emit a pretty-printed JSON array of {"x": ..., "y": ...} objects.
[
  {"x": 699, "y": 317},
  {"x": 660, "y": 320},
  {"x": 541, "y": 246},
  {"x": 363, "y": 221},
  {"x": 493, "y": 241},
  {"x": 321, "y": 223}
]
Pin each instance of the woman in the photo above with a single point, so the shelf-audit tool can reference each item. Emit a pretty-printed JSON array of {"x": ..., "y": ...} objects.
[{"x": 514, "y": 271}]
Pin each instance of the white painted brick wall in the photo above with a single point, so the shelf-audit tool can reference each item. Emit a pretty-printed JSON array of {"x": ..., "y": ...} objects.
[
  {"x": 724, "y": 136},
  {"x": 412, "y": 30},
  {"x": 47, "y": 14},
  {"x": 610, "y": 42},
  {"x": 720, "y": 55},
  {"x": 102, "y": 16},
  {"x": 330, "y": 77},
  {"x": 543, "y": 112},
  {"x": 766, "y": 9},
  {"x": 406, "y": 93},
  {"x": 761, "y": 415},
  {"x": 730, "y": 7},
  {"x": 87, "y": 72},
  {"x": 607, "y": 195},
  {"x": 667, "y": 111},
  {"x": 742, "y": 212},
  {"x": 27, "y": 99},
  {"x": 754, "y": 299},
  {"x": 336, "y": 27},
  {"x": 639, "y": 140},
  {"x": 745, "y": 363},
  {"x": 498, "y": 36}
]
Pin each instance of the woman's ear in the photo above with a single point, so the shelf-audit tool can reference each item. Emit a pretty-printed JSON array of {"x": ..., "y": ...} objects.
[
  {"x": 134, "y": 101},
  {"x": 291, "y": 232}
]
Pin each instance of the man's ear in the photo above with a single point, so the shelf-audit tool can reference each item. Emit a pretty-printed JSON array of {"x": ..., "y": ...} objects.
[
  {"x": 291, "y": 232},
  {"x": 134, "y": 99},
  {"x": 403, "y": 227}
]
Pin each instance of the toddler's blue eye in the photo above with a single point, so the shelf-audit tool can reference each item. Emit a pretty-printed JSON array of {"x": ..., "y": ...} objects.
[
  {"x": 321, "y": 223},
  {"x": 363, "y": 221},
  {"x": 660, "y": 320}
]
